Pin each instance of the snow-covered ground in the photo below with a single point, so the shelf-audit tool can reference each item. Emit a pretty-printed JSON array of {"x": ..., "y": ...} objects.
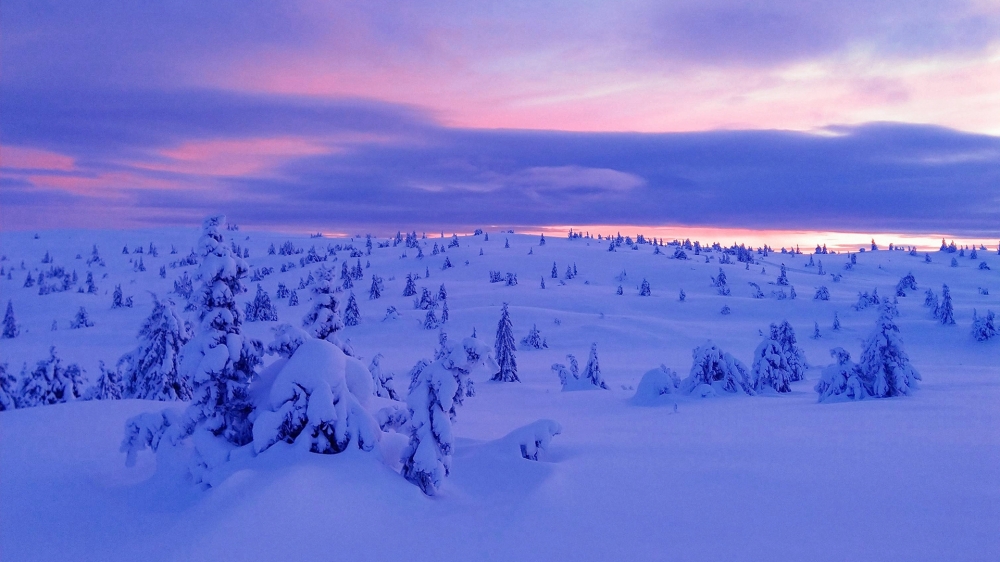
[{"x": 771, "y": 477}]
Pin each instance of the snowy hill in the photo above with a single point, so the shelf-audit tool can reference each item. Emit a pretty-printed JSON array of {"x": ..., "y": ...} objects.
[{"x": 771, "y": 477}]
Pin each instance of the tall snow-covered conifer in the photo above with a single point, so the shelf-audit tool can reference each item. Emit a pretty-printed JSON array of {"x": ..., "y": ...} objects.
[
  {"x": 504, "y": 348},
  {"x": 220, "y": 360}
]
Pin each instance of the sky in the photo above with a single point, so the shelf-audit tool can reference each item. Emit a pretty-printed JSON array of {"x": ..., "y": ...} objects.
[{"x": 854, "y": 116}]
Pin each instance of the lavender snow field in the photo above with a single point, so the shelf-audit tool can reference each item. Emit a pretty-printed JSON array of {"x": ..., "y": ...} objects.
[{"x": 255, "y": 396}]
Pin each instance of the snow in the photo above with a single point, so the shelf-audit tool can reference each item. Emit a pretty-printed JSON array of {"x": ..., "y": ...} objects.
[{"x": 738, "y": 477}]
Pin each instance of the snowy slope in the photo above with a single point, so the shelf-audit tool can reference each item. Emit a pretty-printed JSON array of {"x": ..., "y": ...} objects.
[{"x": 735, "y": 478}]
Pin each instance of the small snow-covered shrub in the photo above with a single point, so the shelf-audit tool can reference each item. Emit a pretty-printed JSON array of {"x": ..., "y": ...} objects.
[
  {"x": 714, "y": 371},
  {"x": 534, "y": 339},
  {"x": 531, "y": 440},
  {"x": 843, "y": 380},
  {"x": 657, "y": 386},
  {"x": 822, "y": 294}
]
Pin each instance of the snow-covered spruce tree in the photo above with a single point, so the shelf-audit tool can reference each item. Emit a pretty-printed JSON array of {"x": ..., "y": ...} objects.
[
  {"x": 783, "y": 277},
  {"x": 411, "y": 287},
  {"x": 152, "y": 370},
  {"x": 822, "y": 294},
  {"x": 10, "y": 326},
  {"x": 108, "y": 385},
  {"x": 946, "y": 312},
  {"x": 264, "y": 309},
  {"x": 352, "y": 316},
  {"x": 644, "y": 289},
  {"x": 81, "y": 320},
  {"x": 430, "y": 320},
  {"x": 426, "y": 301},
  {"x": 770, "y": 366},
  {"x": 504, "y": 349},
  {"x": 534, "y": 339},
  {"x": 592, "y": 372},
  {"x": 836, "y": 321},
  {"x": 444, "y": 312},
  {"x": 907, "y": 282},
  {"x": 382, "y": 379},
  {"x": 436, "y": 391},
  {"x": 884, "y": 362},
  {"x": 293, "y": 299},
  {"x": 50, "y": 383},
  {"x": 8, "y": 389},
  {"x": 375, "y": 292},
  {"x": 555, "y": 272},
  {"x": 796, "y": 358},
  {"x": 324, "y": 320},
  {"x": 720, "y": 283},
  {"x": 842, "y": 380},
  {"x": 220, "y": 360},
  {"x": 714, "y": 371},
  {"x": 984, "y": 327}
]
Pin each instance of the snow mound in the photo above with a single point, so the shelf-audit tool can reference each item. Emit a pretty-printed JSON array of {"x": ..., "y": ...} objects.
[{"x": 658, "y": 386}]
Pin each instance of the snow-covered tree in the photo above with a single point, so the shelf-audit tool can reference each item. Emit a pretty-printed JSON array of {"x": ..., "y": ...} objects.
[
  {"x": 108, "y": 385},
  {"x": 152, "y": 370},
  {"x": 8, "y": 389},
  {"x": 783, "y": 277},
  {"x": 592, "y": 372},
  {"x": 411, "y": 287},
  {"x": 836, "y": 321},
  {"x": 843, "y": 380},
  {"x": 261, "y": 308},
  {"x": 534, "y": 339},
  {"x": 50, "y": 382},
  {"x": 324, "y": 320},
  {"x": 352, "y": 316},
  {"x": 720, "y": 283},
  {"x": 555, "y": 272},
  {"x": 382, "y": 380},
  {"x": 81, "y": 320},
  {"x": 375, "y": 292},
  {"x": 793, "y": 353},
  {"x": 444, "y": 312},
  {"x": 984, "y": 327},
  {"x": 714, "y": 371},
  {"x": 644, "y": 289},
  {"x": 436, "y": 391},
  {"x": 946, "y": 312},
  {"x": 10, "y": 327},
  {"x": 907, "y": 282},
  {"x": 883, "y": 360},
  {"x": 770, "y": 366},
  {"x": 220, "y": 360},
  {"x": 293, "y": 299},
  {"x": 430, "y": 320},
  {"x": 316, "y": 401},
  {"x": 822, "y": 294},
  {"x": 504, "y": 348}
]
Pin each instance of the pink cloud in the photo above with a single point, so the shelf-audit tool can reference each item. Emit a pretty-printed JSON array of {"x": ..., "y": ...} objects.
[
  {"x": 26, "y": 158},
  {"x": 233, "y": 157}
]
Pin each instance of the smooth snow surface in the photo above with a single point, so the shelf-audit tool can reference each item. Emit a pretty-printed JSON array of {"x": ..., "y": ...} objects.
[{"x": 776, "y": 476}]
